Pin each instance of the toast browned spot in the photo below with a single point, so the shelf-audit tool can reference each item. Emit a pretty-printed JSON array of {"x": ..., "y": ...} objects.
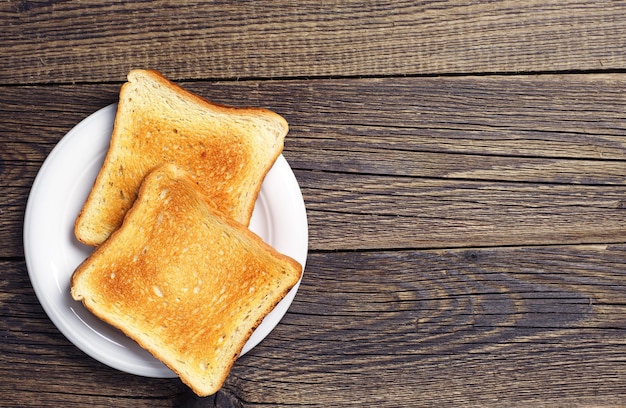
[
  {"x": 185, "y": 282},
  {"x": 227, "y": 151}
]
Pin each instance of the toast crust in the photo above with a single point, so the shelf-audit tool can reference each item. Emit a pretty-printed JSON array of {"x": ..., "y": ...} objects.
[
  {"x": 226, "y": 150},
  {"x": 186, "y": 283}
]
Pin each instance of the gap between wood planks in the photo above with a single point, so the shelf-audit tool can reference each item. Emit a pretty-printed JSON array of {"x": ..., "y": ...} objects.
[{"x": 459, "y": 249}]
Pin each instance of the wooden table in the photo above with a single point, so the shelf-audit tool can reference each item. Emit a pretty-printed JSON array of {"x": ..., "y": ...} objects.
[{"x": 462, "y": 164}]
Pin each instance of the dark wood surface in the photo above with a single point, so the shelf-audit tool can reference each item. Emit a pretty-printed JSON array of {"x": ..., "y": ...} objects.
[{"x": 462, "y": 164}]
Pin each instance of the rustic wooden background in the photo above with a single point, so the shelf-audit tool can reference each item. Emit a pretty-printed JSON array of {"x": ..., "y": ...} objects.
[{"x": 462, "y": 164}]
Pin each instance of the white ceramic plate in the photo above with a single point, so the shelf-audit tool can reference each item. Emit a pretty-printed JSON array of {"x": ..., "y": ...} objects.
[{"x": 52, "y": 253}]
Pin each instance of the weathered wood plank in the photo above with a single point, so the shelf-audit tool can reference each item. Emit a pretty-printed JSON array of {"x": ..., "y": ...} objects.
[
  {"x": 373, "y": 212},
  {"x": 393, "y": 328},
  {"x": 551, "y": 116},
  {"x": 55, "y": 42},
  {"x": 20, "y": 173},
  {"x": 407, "y": 163}
]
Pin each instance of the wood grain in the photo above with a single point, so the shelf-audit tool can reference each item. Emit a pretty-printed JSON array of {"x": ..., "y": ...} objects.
[
  {"x": 91, "y": 41},
  {"x": 494, "y": 327},
  {"x": 389, "y": 212},
  {"x": 424, "y": 163}
]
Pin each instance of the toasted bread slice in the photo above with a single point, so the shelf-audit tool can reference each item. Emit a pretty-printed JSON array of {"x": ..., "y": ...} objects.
[
  {"x": 227, "y": 151},
  {"x": 186, "y": 283}
]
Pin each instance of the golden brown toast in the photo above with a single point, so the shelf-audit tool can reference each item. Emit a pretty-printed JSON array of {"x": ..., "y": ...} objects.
[
  {"x": 185, "y": 282},
  {"x": 228, "y": 151}
]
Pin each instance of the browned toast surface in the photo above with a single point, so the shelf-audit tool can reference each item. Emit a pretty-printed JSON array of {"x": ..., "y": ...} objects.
[
  {"x": 227, "y": 151},
  {"x": 185, "y": 282}
]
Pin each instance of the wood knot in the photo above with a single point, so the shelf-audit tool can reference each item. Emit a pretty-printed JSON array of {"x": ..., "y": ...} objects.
[
  {"x": 472, "y": 256},
  {"x": 24, "y": 6}
]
